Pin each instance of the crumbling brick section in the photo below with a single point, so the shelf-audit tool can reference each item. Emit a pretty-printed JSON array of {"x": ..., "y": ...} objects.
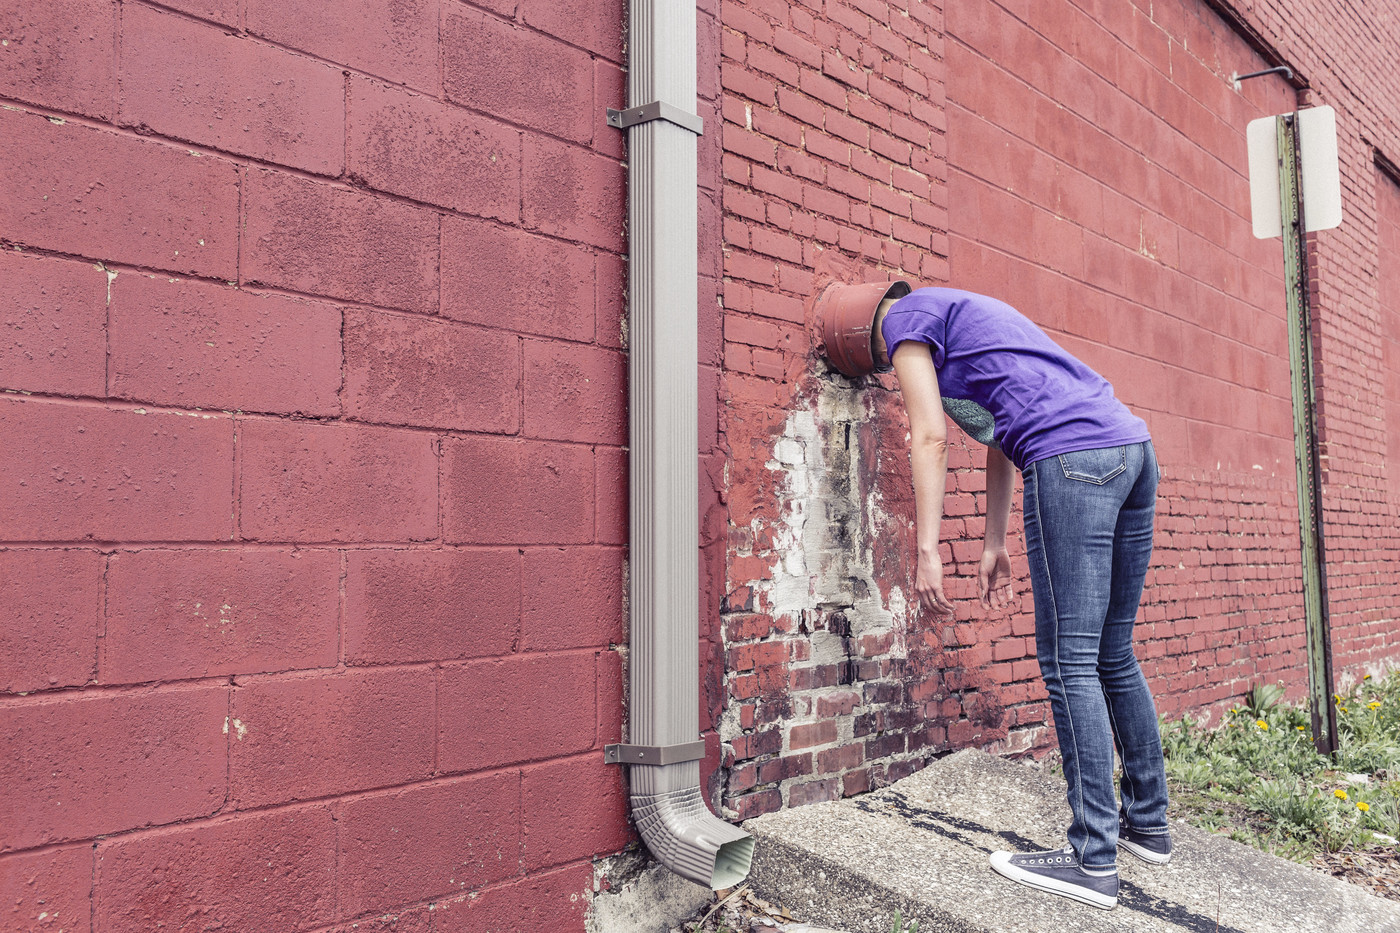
[
  {"x": 314, "y": 388},
  {"x": 834, "y": 169}
]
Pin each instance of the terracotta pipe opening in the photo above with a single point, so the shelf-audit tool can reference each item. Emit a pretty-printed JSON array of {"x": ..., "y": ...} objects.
[{"x": 847, "y": 315}]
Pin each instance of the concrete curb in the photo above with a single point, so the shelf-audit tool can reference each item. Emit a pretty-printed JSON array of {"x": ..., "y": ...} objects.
[{"x": 921, "y": 846}]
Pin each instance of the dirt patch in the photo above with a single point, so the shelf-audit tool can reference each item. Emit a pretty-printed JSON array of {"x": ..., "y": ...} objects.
[{"x": 1377, "y": 870}]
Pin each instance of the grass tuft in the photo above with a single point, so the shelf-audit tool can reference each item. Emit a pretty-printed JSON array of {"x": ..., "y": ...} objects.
[{"x": 1257, "y": 778}]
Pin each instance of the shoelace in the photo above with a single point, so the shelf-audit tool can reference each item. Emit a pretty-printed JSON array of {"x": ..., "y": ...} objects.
[{"x": 1061, "y": 857}]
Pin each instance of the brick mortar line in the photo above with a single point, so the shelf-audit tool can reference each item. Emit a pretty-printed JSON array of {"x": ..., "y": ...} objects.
[
  {"x": 247, "y": 679},
  {"x": 260, "y": 290},
  {"x": 107, "y": 840},
  {"x": 236, "y": 481},
  {"x": 458, "y": 899},
  {"x": 104, "y": 593},
  {"x": 57, "y": 696},
  {"x": 109, "y": 548},
  {"x": 136, "y": 407}
]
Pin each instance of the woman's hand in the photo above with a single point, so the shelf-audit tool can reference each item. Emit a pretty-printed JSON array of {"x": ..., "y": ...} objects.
[
  {"x": 994, "y": 579},
  {"x": 929, "y": 584}
]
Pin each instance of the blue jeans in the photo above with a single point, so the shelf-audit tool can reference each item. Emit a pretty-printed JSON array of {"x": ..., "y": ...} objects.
[{"x": 1089, "y": 539}]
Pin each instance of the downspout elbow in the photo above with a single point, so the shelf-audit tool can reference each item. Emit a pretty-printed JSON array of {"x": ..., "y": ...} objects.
[{"x": 685, "y": 836}]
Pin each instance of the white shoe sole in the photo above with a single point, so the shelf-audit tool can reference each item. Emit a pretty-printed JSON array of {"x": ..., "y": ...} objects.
[
  {"x": 1147, "y": 855},
  {"x": 1001, "y": 864}
]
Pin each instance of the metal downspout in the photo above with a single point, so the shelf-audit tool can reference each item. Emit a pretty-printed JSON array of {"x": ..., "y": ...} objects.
[{"x": 667, "y": 805}]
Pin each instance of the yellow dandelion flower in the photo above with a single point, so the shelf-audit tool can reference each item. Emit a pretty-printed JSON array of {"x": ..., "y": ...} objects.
[
  {"x": 1362, "y": 805},
  {"x": 1337, "y": 697},
  {"x": 1262, "y": 724},
  {"x": 1373, "y": 705},
  {"x": 1339, "y": 794},
  {"x": 1301, "y": 729},
  {"x": 1367, "y": 677},
  {"x": 1342, "y": 708}
]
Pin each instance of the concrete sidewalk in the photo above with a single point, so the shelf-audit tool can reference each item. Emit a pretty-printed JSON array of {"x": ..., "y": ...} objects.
[{"x": 921, "y": 846}]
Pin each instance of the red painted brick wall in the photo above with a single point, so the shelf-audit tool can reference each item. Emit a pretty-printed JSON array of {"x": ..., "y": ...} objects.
[
  {"x": 313, "y": 367},
  {"x": 1084, "y": 160},
  {"x": 1100, "y": 183}
]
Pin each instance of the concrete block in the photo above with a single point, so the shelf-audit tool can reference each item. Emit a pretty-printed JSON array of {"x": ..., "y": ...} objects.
[
  {"x": 405, "y": 369},
  {"x": 199, "y": 345},
  {"x": 498, "y": 491},
  {"x": 178, "y": 614},
  {"x": 329, "y": 240},
  {"x": 103, "y": 195},
  {"x": 403, "y": 606},
  {"x": 51, "y": 325},
  {"x": 60, "y": 55},
  {"x": 260, "y": 871},
  {"x": 429, "y": 151},
  {"x": 310, "y": 482},
  {"x": 501, "y": 276},
  {"x": 112, "y": 474},
  {"x": 200, "y": 83},
  {"x": 47, "y": 890},
  {"x": 575, "y": 393},
  {"x": 483, "y": 721},
  {"x": 428, "y": 841},
  {"x": 297, "y": 737},
  {"x": 76, "y": 767},
  {"x": 393, "y": 39},
  {"x": 515, "y": 74}
]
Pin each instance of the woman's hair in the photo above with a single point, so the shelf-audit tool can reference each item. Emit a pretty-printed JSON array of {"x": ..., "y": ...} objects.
[{"x": 877, "y": 337}]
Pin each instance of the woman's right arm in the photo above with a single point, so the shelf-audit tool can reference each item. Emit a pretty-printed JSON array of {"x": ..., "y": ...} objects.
[
  {"x": 994, "y": 573},
  {"x": 928, "y": 455}
]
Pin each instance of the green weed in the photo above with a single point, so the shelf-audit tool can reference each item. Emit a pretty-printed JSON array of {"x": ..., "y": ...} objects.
[
  {"x": 899, "y": 926},
  {"x": 1257, "y": 778}
]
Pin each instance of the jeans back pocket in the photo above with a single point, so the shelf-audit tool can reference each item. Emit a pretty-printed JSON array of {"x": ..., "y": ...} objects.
[{"x": 1096, "y": 466}]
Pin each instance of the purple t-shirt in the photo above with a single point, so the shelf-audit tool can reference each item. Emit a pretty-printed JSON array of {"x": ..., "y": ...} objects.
[{"x": 1043, "y": 401}]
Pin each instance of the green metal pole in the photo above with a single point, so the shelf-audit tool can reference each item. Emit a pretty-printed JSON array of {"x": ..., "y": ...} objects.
[{"x": 1295, "y": 262}]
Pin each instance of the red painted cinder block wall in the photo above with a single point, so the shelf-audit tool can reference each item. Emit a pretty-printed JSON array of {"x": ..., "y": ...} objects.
[
  {"x": 1084, "y": 160},
  {"x": 312, "y": 419},
  {"x": 312, "y": 463}
]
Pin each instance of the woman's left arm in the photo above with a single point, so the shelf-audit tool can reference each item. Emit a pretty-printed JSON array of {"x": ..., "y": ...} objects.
[{"x": 994, "y": 573}]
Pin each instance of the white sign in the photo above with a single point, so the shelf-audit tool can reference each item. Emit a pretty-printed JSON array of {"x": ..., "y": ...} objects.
[{"x": 1317, "y": 155}]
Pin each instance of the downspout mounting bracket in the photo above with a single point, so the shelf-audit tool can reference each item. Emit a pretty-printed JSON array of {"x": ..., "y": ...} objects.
[
  {"x": 656, "y": 110},
  {"x": 653, "y": 754}
]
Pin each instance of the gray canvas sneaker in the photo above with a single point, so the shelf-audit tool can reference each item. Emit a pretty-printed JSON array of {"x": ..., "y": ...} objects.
[
  {"x": 1155, "y": 848},
  {"x": 1058, "y": 872}
]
